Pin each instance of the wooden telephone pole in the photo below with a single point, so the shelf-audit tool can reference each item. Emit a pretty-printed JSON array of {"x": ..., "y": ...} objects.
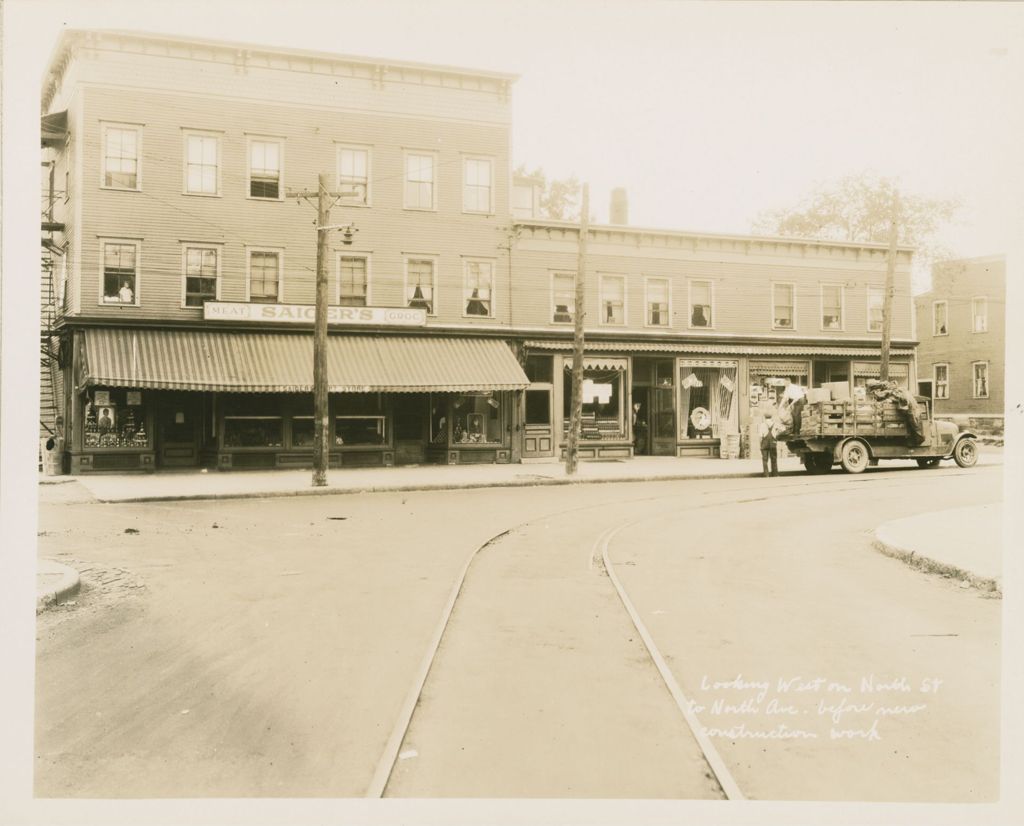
[
  {"x": 890, "y": 282},
  {"x": 575, "y": 421}
]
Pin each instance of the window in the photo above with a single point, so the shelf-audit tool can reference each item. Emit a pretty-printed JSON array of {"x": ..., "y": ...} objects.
[
  {"x": 563, "y": 297},
  {"x": 981, "y": 379},
  {"x": 253, "y": 420},
  {"x": 940, "y": 320},
  {"x": 613, "y": 299},
  {"x": 265, "y": 169},
  {"x": 477, "y": 286},
  {"x": 420, "y": 192},
  {"x": 120, "y": 273},
  {"x": 540, "y": 372},
  {"x": 360, "y": 421},
  {"x": 352, "y": 281},
  {"x": 979, "y": 314},
  {"x": 116, "y": 418},
  {"x": 354, "y": 175},
  {"x": 876, "y": 303},
  {"x": 658, "y": 300},
  {"x": 121, "y": 153},
  {"x": 602, "y": 410},
  {"x": 476, "y": 419},
  {"x": 831, "y": 307},
  {"x": 783, "y": 306},
  {"x": 419, "y": 283},
  {"x": 264, "y": 276},
  {"x": 202, "y": 267},
  {"x": 202, "y": 154},
  {"x": 476, "y": 185},
  {"x": 708, "y": 399},
  {"x": 701, "y": 293},
  {"x": 941, "y": 383}
]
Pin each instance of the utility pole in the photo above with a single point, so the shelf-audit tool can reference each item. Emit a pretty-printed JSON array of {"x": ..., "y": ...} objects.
[
  {"x": 890, "y": 281},
  {"x": 575, "y": 420}
]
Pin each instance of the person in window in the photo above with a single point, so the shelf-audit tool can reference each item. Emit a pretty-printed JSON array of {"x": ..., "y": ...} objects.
[
  {"x": 769, "y": 449},
  {"x": 125, "y": 294},
  {"x": 105, "y": 422},
  {"x": 698, "y": 319}
]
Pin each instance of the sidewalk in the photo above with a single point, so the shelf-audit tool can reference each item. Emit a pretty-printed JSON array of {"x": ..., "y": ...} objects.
[{"x": 965, "y": 543}]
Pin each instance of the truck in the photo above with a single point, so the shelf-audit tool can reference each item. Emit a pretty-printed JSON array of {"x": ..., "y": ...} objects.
[{"x": 857, "y": 433}]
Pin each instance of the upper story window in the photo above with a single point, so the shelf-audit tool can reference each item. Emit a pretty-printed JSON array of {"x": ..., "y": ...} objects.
[
  {"x": 876, "y": 303},
  {"x": 265, "y": 169},
  {"x": 658, "y": 301},
  {"x": 121, "y": 152},
  {"x": 120, "y": 272},
  {"x": 979, "y": 314},
  {"x": 563, "y": 297},
  {"x": 940, "y": 318},
  {"x": 421, "y": 283},
  {"x": 981, "y": 379},
  {"x": 202, "y": 164},
  {"x": 783, "y": 307},
  {"x": 477, "y": 288},
  {"x": 353, "y": 281},
  {"x": 701, "y": 299},
  {"x": 613, "y": 299},
  {"x": 477, "y": 187},
  {"x": 941, "y": 383},
  {"x": 265, "y": 280},
  {"x": 354, "y": 175},
  {"x": 420, "y": 184},
  {"x": 831, "y": 307},
  {"x": 202, "y": 269}
]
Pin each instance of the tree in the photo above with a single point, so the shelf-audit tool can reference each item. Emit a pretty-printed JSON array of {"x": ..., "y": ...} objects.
[
  {"x": 559, "y": 197},
  {"x": 859, "y": 208}
]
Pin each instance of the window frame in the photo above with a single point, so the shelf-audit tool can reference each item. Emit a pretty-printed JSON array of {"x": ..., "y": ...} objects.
[
  {"x": 199, "y": 245},
  {"x": 974, "y": 380},
  {"x": 689, "y": 304},
  {"x": 279, "y": 251},
  {"x": 647, "y": 303},
  {"x": 340, "y": 255},
  {"x": 974, "y": 313},
  {"x": 792, "y": 307},
  {"x": 434, "y": 259},
  {"x": 880, "y": 291},
  {"x": 106, "y": 125},
  {"x": 137, "y": 290},
  {"x": 842, "y": 307},
  {"x": 571, "y": 308},
  {"x": 936, "y": 383},
  {"x": 358, "y": 147},
  {"x": 476, "y": 259},
  {"x": 250, "y": 140},
  {"x": 490, "y": 189},
  {"x": 602, "y": 316},
  {"x": 935, "y": 305},
  {"x": 426, "y": 153},
  {"x": 200, "y": 133}
]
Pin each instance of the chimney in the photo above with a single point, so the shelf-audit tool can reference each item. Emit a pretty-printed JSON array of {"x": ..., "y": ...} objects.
[{"x": 618, "y": 212}]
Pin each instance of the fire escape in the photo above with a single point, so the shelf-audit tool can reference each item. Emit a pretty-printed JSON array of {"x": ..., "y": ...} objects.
[{"x": 52, "y": 269}]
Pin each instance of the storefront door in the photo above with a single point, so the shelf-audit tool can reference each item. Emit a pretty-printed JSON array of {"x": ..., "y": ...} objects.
[
  {"x": 178, "y": 429},
  {"x": 412, "y": 425},
  {"x": 663, "y": 421}
]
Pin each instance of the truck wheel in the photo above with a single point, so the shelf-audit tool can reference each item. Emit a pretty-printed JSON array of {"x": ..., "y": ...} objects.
[
  {"x": 930, "y": 462},
  {"x": 854, "y": 457},
  {"x": 965, "y": 453},
  {"x": 818, "y": 463}
]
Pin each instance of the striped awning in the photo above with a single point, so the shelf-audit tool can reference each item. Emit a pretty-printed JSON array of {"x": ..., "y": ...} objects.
[
  {"x": 602, "y": 363},
  {"x": 282, "y": 363},
  {"x": 724, "y": 349},
  {"x": 778, "y": 368}
]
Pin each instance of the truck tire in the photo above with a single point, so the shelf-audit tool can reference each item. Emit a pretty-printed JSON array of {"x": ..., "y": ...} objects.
[
  {"x": 817, "y": 463},
  {"x": 931, "y": 461},
  {"x": 855, "y": 457},
  {"x": 965, "y": 453}
]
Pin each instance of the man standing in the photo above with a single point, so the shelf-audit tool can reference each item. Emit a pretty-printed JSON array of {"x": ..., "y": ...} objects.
[{"x": 769, "y": 451}]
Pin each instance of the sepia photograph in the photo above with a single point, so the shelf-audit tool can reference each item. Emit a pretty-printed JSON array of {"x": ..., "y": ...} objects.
[{"x": 511, "y": 412}]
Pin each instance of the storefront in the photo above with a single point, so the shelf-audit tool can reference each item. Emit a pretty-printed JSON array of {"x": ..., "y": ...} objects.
[{"x": 149, "y": 399}]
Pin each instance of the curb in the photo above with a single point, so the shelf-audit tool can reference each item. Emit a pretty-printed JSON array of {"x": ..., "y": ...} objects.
[
  {"x": 917, "y": 560},
  {"x": 67, "y": 586}
]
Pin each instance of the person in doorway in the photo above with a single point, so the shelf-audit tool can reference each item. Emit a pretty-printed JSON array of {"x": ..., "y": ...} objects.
[
  {"x": 639, "y": 430},
  {"x": 769, "y": 448}
]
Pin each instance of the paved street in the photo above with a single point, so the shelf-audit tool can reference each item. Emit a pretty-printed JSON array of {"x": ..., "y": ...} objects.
[{"x": 269, "y": 647}]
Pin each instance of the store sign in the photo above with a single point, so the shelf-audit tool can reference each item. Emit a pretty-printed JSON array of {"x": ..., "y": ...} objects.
[{"x": 306, "y": 314}]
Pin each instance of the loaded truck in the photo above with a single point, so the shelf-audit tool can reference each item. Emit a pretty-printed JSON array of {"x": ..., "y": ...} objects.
[{"x": 857, "y": 433}]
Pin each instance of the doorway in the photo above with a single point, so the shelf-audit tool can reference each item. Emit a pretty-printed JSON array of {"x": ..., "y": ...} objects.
[
  {"x": 179, "y": 424},
  {"x": 411, "y": 413},
  {"x": 654, "y": 421}
]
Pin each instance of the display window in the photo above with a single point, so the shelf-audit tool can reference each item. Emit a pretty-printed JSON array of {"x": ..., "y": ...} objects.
[
  {"x": 602, "y": 414},
  {"x": 116, "y": 419},
  {"x": 707, "y": 400},
  {"x": 253, "y": 420},
  {"x": 302, "y": 431},
  {"x": 360, "y": 420},
  {"x": 476, "y": 419}
]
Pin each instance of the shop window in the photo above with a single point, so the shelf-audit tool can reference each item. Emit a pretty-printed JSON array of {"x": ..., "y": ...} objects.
[
  {"x": 539, "y": 368},
  {"x": 303, "y": 431},
  {"x": 477, "y": 187},
  {"x": 980, "y": 379},
  {"x": 707, "y": 401},
  {"x": 253, "y": 431},
  {"x": 116, "y": 419},
  {"x": 613, "y": 299},
  {"x": 360, "y": 420},
  {"x": 658, "y": 302},
  {"x": 831, "y": 307},
  {"x": 476, "y": 419},
  {"x": 979, "y": 314},
  {"x": 940, "y": 320},
  {"x": 264, "y": 276},
  {"x": 783, "y": 307},
  {"x": 265, "y": 169},
  {"x": 120, "y": 273},
  {"x": 602, "y": 416},
  {"x": 876, "y": 301},
  {"x": 352, "y": 281},
  {"x": 538, "y": 407},
  {"x": 478, "y": 281},
  {"x": 439, "y": 420},
  {"x": 563, "y": 297},
  {"x": 941, "y": 383},
  {"x": 419, "y": 284},
  {"x": 420, "y": 189},
  {"x": 121, "y": 156},
  {"x": 201, "y": 269},
  {"x": 201, "y": 164},
  {"x": 354, "y": 175},
  {"x": 701, "y": 299}
]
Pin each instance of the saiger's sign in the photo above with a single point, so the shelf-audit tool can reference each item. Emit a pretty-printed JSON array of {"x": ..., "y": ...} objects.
[{"x": 306, "y": 314}]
